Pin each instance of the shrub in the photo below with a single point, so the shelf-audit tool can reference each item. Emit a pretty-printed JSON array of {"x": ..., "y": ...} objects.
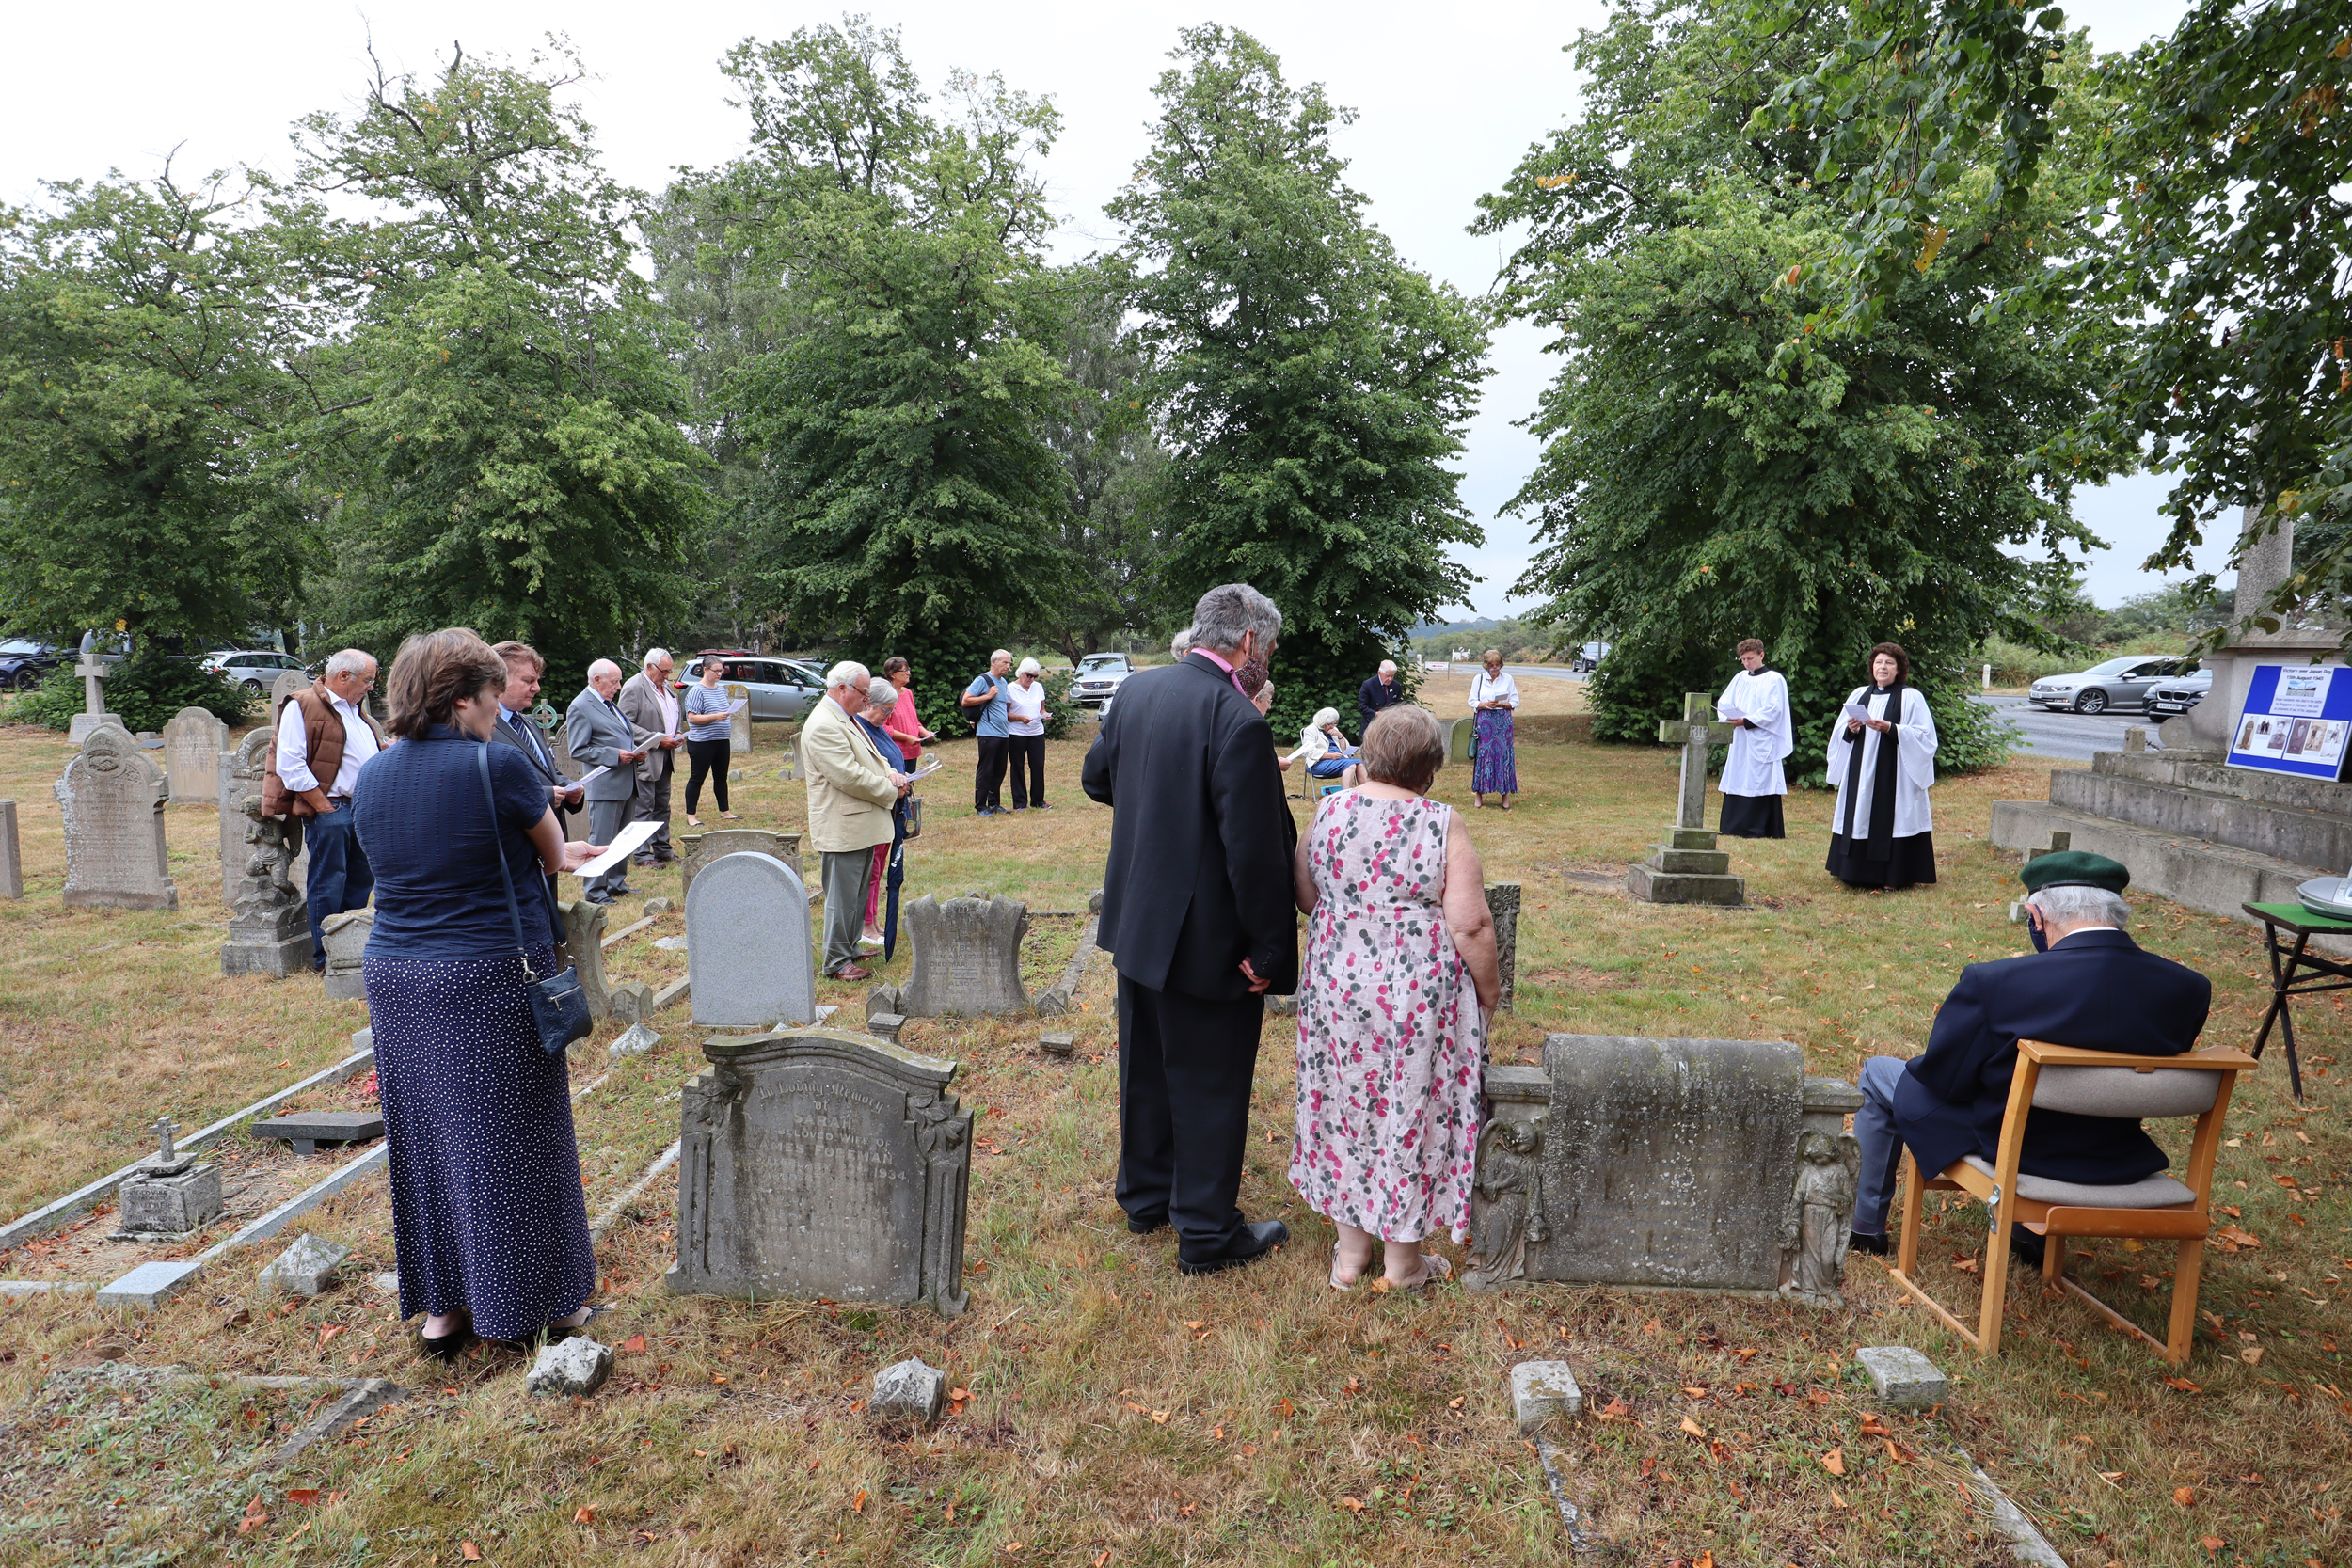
[{"x": 147, "y": 693}]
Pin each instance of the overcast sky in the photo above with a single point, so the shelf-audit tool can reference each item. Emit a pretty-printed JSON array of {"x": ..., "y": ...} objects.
[{"x": 1449, "y": 98}]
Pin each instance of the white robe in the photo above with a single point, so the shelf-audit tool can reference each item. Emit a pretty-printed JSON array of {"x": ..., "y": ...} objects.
[
  {"x": 1757, "y": 749},
  {"x": 1914, "y": 768}
]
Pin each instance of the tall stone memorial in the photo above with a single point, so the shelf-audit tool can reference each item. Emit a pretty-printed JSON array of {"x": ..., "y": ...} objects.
[
  {"x": 967, "y": 956},
  {"x": 113, "y": 800},
  {"x": 269, "y": 930},
  {"x": 193, "y": 744},
  {"x": 819, "y": 1164},
  {"x": 92, "y": 669},
  {"x": 1688, "y": 868},
  {"x": 11, "y": 854},
  {"x": 749, "y": 960}
]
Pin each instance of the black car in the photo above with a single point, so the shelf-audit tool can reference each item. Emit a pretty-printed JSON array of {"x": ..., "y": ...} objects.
[{"x": 25, "y": 660}]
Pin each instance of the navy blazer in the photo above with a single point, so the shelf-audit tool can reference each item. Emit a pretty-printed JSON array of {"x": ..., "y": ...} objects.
[{"x": 2095, "y": 990}]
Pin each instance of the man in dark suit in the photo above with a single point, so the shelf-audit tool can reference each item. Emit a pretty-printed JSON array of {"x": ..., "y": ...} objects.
[
  {"x": 524, "y": 668},
  {"x": 1382, "y": 690},
  {"x": 2091, "y": 986},
  {"x": 1201, "y": 921}
]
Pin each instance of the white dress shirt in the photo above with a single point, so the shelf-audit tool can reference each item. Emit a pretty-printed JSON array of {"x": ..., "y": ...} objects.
[
  {"x": 293, "y": 753},
  {"x": 668, "y": 700}
]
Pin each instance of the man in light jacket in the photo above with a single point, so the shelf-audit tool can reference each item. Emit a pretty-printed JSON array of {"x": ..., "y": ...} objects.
[
  {"x": 649, "y": 701},
  {"x": 600, "y": 737},
  {"x": 851, "y": 788}
]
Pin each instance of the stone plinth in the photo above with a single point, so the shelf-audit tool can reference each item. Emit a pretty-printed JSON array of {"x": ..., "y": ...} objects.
[
  {"x": 967, "y": 956},
  {"x": 346, "y": 937},
  {"x": 1687, "y": 868},
  {"x": 169, "y": 1198},
  {"x": 12, "y": 855},
  {"x": 113, "y": 800}
]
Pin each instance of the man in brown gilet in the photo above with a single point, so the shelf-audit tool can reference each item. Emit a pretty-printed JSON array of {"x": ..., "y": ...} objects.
[{"x": 323, "y": 737}]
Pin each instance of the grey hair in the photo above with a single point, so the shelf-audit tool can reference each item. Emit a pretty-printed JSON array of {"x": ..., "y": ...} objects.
[
  {"x": 602, "y": 667},
  {"x": 847, "y": 673},
  {"x": 350, "y": 661},
  {"x": 653, "y": 656},
  {"x": 1182, "y": 642},
  {"x": 880, "y": 693},
  {"x": 1388, "y": 667},
  {"x": 2077, "y": 905},
  {"x": 1230, "y": 612}
]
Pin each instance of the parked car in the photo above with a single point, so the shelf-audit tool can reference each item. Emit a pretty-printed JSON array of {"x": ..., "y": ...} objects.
[
  {"x": 2179, "y": 694},
  {"x": 2120, "y": 682},
  {"x": 254, "y": 669},
  {"x": 1588, "y": 657},
  {"x": 23, "y": 661},
  {"x": 1097, "y": 678},
  {"x": 781, "y": 689}
]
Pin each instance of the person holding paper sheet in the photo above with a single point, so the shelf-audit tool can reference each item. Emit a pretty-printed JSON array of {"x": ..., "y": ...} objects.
[
  {"x": 1755, "y": 706},
  {"x": 1025, "y": 745},
  {"x": 709, "y": 740},
  {"x": 1494, "y": 698},
  {"x": 514, "y": 728},
  {"x": 600, "y": 736},
  {"x": 881, "y": 698},
  {"x": 1882, "y": 761},
  {"x": 852, "y": 791},
  {"x": 649, "y": 700}
]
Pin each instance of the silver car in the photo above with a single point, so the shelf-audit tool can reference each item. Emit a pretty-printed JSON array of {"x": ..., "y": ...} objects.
[
  {"x": 780, "y": 689},
  {"x": 1097, "y": 679},
  {"x": 254, "y": 669},
  {"x": 2120, "y": 682}
]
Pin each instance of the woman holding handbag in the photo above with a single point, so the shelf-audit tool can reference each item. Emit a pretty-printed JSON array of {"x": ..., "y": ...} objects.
[{"x": 471, "y": 1010}]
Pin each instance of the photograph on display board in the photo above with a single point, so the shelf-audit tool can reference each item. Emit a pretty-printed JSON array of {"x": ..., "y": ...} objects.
[{"x": 2296, "y": 720}]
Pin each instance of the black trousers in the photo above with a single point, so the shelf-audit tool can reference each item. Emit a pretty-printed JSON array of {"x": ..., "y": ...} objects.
[
  {"x": 1185, "y": 1071},
  {"x": 1028, "y": 756},
  {"x": 988, "y": 780},
  {"x": 712, "y": 757}
]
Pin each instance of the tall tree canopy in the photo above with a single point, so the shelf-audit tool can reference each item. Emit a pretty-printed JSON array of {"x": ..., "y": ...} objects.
[
  {"x": 1714, "y": 468},
  {"x": 1310, "y": 388}
]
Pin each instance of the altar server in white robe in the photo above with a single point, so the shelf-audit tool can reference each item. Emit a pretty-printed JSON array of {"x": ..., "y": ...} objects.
[
  {"x": 1756, "y": 704},
  {"x": 1883, "y": 767}
]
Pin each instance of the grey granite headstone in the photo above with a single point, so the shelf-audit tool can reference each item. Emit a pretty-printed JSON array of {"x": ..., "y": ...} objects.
[
  {"x": 1502, "y": 902},
  {"x": 346, "y": 937},
  {"x": 269, "y": 930},
  {"x": 12, "y": 855},
  {"x": 696, "y": 850},
  {"x": 967, "y": 956},
  {"x": 113, "y": 799},
  {"x": 748, "y": 954},
  {"x": 286, "y": 684},
  {"x": 582, "y": 949},
  {"x": 1668, "y": 1161},
  {"x": 818, "y": 1162},
  {"x": 193, "y": 742}
]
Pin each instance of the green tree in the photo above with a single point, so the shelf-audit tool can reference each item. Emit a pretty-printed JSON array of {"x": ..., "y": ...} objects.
[
  {"x": 143, "y": 391},
  {"x": 1308, "y": 386},
  {"x": 1703, "y": 479}
]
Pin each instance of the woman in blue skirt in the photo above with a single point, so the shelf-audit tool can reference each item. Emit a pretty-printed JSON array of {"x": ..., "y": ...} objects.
[
  {"x": 488, "y": 1215},
  {"x": 1494, "y": 697}
]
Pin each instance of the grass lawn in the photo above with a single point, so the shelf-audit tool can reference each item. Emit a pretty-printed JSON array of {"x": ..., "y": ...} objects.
[{"x": 1114, "y": 1412}]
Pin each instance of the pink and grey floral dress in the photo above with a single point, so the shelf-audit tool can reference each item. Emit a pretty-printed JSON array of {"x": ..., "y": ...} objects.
[{"x": 1391, "y": 1047}]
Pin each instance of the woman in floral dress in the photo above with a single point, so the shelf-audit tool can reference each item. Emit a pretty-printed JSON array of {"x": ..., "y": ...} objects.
[{"x": 1399, "y": 981}]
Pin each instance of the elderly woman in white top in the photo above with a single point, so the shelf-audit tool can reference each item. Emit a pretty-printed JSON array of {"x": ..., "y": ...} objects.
[
  {"x": 1494, "y": 696},
  {"x": 1026, "y": 715},
  {"x": 1327, "y": 752}
]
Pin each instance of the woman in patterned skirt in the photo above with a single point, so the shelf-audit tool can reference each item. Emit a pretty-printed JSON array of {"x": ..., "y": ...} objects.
[
  {"x": 488, "y": 1216},
  {"x": 1399, "y": 981},
  {"x": 1494, "y": 697}
]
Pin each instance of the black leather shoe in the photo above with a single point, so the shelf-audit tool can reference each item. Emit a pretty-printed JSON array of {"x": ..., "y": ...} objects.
[
  {"x": 1138, "y": 1226},
  {"x": 446, "y": 1347},
  {"x": 1874, "y": 1245},
  {"x": 2025, "y": 1246},
  {"x": 1256, "y": 1239}
]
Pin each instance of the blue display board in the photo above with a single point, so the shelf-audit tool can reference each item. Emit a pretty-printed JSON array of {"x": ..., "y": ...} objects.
[{"x": 2298, "y": 720}]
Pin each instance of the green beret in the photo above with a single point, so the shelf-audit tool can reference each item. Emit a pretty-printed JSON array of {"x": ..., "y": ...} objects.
[{"x": 2074, "y": 868}]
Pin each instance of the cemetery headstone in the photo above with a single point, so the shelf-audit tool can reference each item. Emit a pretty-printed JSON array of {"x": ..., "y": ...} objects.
[
  {"x": 305, "y": 1269},
  {"x": 1543, "y": 1392},
  {"x": 193, "y": 742},
  {"x": 269, "y": 930},
  {"x": 1059, "y": 1044},
  {"x": 1502, "y": 902},
  {"x": 1688, "y": 868},
  {"x": 967, "y": 956},
  {"x": 171, "y": 1193},
  {"x": 92, "y": 669},
  {"x": 635, "y": 1040},
  {"x": 696, "y": 850},
  {"x": 286, "y": 684},
  {"x": 818, "y": 1162},
  {"x": 1458, "y": 735},
  {"x": 739, "y": 731},
  {"x": 11, "y": 856},
  {"x": 748, "y": 956},
  {"x": 347, "y": 936},
  {"x": 583, "y": 950},
  {"x": 113, "y": 799},
  {"x": 1903, "y": 1379}
]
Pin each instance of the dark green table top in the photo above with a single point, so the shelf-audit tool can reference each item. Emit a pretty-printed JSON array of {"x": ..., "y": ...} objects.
[{"x": 2299, "y": 918}]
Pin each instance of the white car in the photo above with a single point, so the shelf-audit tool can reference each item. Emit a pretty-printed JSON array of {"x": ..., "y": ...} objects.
[
  {"x": 1098, "y": 678},
  {"x": 254, "y": 669},
  {"x": 2120, "y": 682}
]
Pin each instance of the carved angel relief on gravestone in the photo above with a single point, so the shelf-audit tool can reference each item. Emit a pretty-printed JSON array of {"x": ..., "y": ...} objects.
[
  {"x": 1506, "y": 1202},
  {"x": 1817, "y": 1230}
]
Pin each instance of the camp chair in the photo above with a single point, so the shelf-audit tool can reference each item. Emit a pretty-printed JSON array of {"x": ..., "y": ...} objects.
[{"x": 2157, "y": 1208}]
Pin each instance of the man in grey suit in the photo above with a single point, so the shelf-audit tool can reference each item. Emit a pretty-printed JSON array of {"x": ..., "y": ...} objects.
[
  {"x": 601, "y": 738},
  {"x": 650, "y": 703},
  {"x": 524, "y": 667}
]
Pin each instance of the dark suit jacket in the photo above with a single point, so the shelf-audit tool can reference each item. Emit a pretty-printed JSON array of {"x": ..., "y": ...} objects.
[
  {"x": 1372, "y": 697},
  {"x": 2096, "y": 990},
  {"x": 1199, "y": 877},
  {"x": 535, "y": 748}
]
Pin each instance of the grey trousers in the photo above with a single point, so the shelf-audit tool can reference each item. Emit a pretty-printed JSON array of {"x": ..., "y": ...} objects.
[
  {"x": 846, "y": 876},
  {"x": 653, "y": 805},
  {"x": 1882, "y": 1149},
  {"x": 606, "y": 818}
]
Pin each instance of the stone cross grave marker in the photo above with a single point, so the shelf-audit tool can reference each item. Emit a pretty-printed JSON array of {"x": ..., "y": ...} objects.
[
  {"x": 113, "y": 800},
  {"x": 822, "y": 1163},
  {"x": 269, "y": 930},
  {"x": 1688, "y": 868},
  {"x": 11, "y": 856},
  {"x": 93, "y": 671},
  {"x": 967, "y": 956},
  {"x": 698, "y": 849},
  {"x": 193, "y": 743},
  {"x": 749, "y": 958}
]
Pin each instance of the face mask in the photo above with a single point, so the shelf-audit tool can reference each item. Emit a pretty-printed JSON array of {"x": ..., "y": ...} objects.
[
  {"x": 2041, "y": 942},
  {"x": 1252, "y": 675}
]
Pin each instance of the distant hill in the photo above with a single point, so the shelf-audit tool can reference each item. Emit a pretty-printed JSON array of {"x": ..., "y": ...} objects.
[{"x": 1485, "y": 622}]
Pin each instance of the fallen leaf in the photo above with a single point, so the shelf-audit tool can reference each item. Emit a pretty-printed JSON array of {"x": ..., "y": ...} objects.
[
  {"x": 1706, "y": 1559},
  {"x": 1696, "y": 1393},
  {"x": 1160, "y": 1416},
  {"x": 1353, "y": 1505},
  {"x": 583, "y": 1514},
  {"x": 1835, "y": 1461},
  {"x": 2213, "y": 1543},
  {"x": 1873, "y": 1427},
  {"x": 1616, "y": 1410},
  {"x": 634, "y": 1344},
  {"x": 2231, "y": 1236},
  {"x": 857, "y": 1504},
  {"x": 2183, "y": 1385},
  {"x": 1836, "y": 1499},
  {"x": 2251, "y": 1355},
  {"x": 1653, "y": 1326},
  {"x": 329, "y": 1332},
  {"x": 1748, "y": 1353},
  {"x": 1967, "y": 1265},
  {"x": 1196, "y": 1323},
  {"x": 471, "y": 1552},
  {"x": 2185, "y": 1494},
  {"x": 1454, "y": 1405},
  {"x": 1693, "y": 1427},
  {"x": 1099, "y": 1558}
]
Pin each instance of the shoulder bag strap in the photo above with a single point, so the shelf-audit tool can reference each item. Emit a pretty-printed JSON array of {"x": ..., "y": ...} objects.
[{"x": 498, "y": 853}]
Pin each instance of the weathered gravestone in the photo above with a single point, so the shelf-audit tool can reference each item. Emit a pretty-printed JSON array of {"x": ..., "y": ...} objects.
[
  {"x": 698, "y": 849},
  {"x": 193, "y": 743},
  {"x": 286, "y": 684},
  {"x": 967, "y": 956},
  {"x": 1458, "y": 736},
  {"x": 1665, "y": 1163},
  {"x": 748, "y": 956},
  {"x": 113, "y": 798},
  {"x": 822, "y": 1163},
  {"x": 1502, "y": 902},
  {"x": 1688, "y": 868},
  {"x": 93, "y": 671},
  {"x": 346, "y": 937},
  {"x": 739, "y": 729},
  {"x": 582, "y": 950},
  {"x": 170, "y": 1193},
  {"x": 11, "y": 856},
  {"x": 269, "y": 930}
]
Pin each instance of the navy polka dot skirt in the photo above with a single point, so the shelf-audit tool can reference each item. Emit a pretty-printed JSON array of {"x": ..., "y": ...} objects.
[{"x": 487, "y": 1210}]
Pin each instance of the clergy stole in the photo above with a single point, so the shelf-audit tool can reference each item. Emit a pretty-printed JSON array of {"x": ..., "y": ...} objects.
[{"x": 1880, "y": 846}]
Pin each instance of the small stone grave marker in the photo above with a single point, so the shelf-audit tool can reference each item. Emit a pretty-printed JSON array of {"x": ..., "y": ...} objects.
[
  {"x": 1543, "y": 1392},
  {"x": 12, "y": 856},
  {"x": 967, "y": 956},
  {"x": 1502, "y": 902},
  {"x": 306, "y": 1268},
  {"x": 307, "y": 1130},
  {"x": 193, "y": 743},
  {"x": 1902, "y": 1379},
  {"x": 113, "y": 800},
  {"x": 909, "y": 1390},
  {"x": 346, "y": 937},
  {"x": 748, "y": 953},
  {"x": 1061, "y": 1044},
  {"x": 171, "y": 1195},
  {"x": 570, "y": 1368}
]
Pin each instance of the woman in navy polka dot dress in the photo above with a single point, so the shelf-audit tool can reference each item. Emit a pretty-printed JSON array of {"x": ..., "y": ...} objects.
[{"x": 487, "y": 1210}]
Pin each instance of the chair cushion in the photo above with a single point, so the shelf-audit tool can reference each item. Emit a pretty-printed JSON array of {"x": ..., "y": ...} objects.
[
  {"x": 2122, "y": 1091},
  {"x": 2149, "y": 1192}
]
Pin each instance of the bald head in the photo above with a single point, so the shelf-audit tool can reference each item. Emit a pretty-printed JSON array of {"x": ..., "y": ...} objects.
[{"x": 604, "y": 678}]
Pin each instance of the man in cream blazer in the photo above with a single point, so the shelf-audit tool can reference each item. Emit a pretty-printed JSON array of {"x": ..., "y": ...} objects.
[{"x": 851, "y": 788}]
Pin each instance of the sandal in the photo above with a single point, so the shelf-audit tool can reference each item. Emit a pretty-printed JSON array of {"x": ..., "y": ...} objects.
[
  {"x": 693, "y": 822},
  {"x": 1335, "y": 1282},
  {"x": 730, "y": 816},
  {"x": 1435, "y": 1267}
]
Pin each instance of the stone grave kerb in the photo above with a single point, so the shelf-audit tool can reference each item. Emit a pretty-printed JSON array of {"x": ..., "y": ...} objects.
[{"x": 1687, "y": 868}]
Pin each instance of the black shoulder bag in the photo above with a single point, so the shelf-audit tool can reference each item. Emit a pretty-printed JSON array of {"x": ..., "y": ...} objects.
[{"x": 558, "y": 1005}]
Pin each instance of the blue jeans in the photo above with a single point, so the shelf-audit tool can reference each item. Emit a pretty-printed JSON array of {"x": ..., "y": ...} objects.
[
  {"x": 1881, "y": 1149},
  {"x": 339, "y": 878},
  {"x": 1330, "y": 768}
]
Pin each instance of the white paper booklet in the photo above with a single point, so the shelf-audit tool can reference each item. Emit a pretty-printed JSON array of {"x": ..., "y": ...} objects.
[
  {"x": 592, "y": 774},
  {"x": 624, "y": 845},
  {"x": 1856, "y": 712}
]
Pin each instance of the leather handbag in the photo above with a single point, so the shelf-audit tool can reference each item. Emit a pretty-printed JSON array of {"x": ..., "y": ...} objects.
[
  {"x": 558, "y": 1005},
  {"x": 911, "y": 809}
]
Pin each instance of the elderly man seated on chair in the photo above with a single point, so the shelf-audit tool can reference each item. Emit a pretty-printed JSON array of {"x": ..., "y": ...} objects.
[{"x": 2088, "y": 985}]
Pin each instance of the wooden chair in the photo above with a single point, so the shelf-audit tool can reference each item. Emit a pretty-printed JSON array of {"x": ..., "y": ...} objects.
[{"x": 2160, "y": 1208}]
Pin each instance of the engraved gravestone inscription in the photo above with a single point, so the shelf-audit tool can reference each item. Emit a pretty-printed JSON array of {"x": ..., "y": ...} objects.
[
  {"x": 193, "y": 742},
  {"x": 967, "y": 956},
  {"x": 113, "y": 800}
]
